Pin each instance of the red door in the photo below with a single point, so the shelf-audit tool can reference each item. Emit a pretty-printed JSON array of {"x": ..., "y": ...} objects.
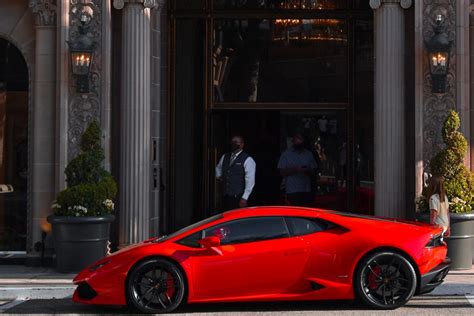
[{"x": 253, "y": 268}]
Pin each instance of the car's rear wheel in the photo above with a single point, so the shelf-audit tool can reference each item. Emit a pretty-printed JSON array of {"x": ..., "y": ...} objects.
[
  {"x": 156, "y": 286},
  {"x": 385, "y": 280}
]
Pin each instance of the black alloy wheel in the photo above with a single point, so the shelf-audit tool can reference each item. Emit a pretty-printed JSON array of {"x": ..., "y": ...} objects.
[
  {"x": 156, "y": 286},
  {"x": 385, "y": 280}
]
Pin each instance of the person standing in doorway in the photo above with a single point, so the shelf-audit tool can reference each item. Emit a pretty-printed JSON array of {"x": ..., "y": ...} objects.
[
  {"x": 297, "y": 165},
  {"x": 236, "y": 172}
]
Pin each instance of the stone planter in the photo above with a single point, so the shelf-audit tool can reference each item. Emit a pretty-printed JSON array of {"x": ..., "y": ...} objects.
[
  {"x": 461, "y": 241},
  {"x": 79, "y": 241}
]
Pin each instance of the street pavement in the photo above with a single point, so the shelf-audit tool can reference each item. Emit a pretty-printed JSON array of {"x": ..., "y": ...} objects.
[{"x": 31, "y": 291}]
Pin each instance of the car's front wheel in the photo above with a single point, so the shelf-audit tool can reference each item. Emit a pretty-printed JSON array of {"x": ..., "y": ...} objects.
[
  {"x": 156, "y": 286},
  {"x": 385, "y": 280}
]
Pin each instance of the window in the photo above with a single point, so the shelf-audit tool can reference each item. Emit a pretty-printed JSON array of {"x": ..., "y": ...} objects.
[
  {"x": 191, "y": 240},
  {"x": 299, "y": 226},
  {"x": 190, "y": 227},
  {"x": 280, "y": 60},
  {"x": 249, "y": 230}
]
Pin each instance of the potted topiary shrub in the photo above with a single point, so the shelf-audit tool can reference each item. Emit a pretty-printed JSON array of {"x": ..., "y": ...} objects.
[
  {"x": 82, "y": 212},
  {"x": 459, "y": 185}
]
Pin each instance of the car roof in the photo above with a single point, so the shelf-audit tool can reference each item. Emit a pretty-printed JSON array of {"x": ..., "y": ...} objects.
[
  {"x": 300, "y": 211},
  {"x": 273, "y": 211}
]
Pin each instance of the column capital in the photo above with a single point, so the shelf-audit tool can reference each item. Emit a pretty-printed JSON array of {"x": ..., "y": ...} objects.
[
  {"x": 44, "y": 12},
  {"x": 147, "y": 4},
  {"x": 405, "y": 4}
]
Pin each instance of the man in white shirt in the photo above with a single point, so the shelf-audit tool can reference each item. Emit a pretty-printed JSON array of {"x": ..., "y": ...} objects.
[{"x": 236, "y": 172}]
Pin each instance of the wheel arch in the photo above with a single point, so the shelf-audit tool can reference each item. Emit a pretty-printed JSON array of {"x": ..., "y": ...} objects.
[
  {"x": 171, "y": 260},
  {"x": 389, "y": 248}
]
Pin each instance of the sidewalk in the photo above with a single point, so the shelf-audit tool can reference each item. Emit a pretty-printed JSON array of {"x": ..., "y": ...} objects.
[
  {"x": 457, "y": 283},
  {"x": 18, "y": 282},
  {"x": 22, "y": 283}
]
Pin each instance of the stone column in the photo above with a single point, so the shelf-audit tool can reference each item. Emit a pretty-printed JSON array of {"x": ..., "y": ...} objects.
[
  {"x": 43, "y": 118},
  {"x": 135, "y": 137},
  {"x": 389, "y": 107}
]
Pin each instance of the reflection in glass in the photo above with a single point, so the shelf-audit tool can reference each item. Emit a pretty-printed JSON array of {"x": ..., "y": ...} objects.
[
  {"x": 281, "y": 4},
  {"x": 364, "y": 122},
  {"x": 280, "y": 60},
  {"x": 325, "y": 136}
]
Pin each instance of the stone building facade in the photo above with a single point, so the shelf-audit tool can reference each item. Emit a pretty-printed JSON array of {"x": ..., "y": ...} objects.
[{"x": 165, "y": 112}]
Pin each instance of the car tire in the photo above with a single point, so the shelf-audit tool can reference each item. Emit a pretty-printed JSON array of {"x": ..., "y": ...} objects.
[
  {"x": 156, "y": 286},
  {"x": 385, "y": 280}
]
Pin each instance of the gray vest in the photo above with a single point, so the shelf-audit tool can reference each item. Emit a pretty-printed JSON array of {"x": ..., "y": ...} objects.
[{"x": 233, "y": 176}]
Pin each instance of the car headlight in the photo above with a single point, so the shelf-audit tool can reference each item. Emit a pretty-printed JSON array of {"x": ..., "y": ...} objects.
[{"x": 98, "y": 266}]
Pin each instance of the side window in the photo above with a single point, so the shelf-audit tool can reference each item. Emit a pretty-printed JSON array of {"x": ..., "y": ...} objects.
[
  {"x": 249, "y": 230},
  {"x": 191, "y": 240},
  {"x": 299, "y": 226}
]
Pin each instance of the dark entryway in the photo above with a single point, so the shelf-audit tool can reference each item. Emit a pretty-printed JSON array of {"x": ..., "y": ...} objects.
[
  {"x": 268, "y": 133},
  {"x": 266, "y": 69},
  {"x": 13, "y": 147}
]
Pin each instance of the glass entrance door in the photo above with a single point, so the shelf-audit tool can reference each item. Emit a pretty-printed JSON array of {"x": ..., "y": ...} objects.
[{"x": 269, "y": 70}]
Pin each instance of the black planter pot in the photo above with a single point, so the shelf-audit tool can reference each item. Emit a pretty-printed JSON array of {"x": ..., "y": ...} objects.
[
  {"x": 461, "y": 241},
  {"x": 79, "y": 241}
]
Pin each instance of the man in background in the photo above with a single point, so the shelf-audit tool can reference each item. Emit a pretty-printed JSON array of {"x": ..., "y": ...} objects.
[
  {"x": 297, "y": 165},
  {"x": 236, "y": 172}
]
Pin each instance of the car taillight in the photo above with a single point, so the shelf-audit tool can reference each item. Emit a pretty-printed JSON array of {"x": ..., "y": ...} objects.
[{"x": 435, "y": 241}]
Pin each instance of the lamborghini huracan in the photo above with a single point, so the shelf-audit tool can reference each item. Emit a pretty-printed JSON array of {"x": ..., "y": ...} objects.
[{"x": 268, "y": 254}]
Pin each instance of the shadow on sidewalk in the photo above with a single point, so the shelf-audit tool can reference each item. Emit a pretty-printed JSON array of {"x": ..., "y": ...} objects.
[{"x": 67, "y": 306}]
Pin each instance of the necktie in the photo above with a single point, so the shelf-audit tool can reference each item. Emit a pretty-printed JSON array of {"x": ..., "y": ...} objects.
[{"x": 232, "y": 158}]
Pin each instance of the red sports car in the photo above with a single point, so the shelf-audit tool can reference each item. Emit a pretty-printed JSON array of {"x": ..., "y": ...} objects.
[{"x": 272, "y": 253}]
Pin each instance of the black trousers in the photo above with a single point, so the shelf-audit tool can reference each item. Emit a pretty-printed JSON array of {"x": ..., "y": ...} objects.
[
  {"x": 230, "y": 202},
  {"x": 299, "y": 198}
]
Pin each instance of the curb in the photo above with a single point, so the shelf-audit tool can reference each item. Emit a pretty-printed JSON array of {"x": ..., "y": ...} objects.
[
  {"x": 447, "y": 289},
  {"x": 25, "y": 292},
  {"x": 21, "y": 291}
]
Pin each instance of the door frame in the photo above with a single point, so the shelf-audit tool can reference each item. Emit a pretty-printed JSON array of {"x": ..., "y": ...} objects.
[
  {"x": 208, "y": 14},
  {"x": 26, "y": 55}
]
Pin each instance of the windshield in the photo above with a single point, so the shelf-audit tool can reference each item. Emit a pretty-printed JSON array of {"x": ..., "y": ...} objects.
[{"x": 190, "y": 227}]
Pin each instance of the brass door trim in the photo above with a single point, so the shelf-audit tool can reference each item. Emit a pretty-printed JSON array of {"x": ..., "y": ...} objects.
[{"x": 278, "y": 106}]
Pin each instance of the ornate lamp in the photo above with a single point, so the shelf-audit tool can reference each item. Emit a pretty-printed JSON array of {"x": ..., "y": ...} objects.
[
  {"x": 438, "y": 48},
  {"x": 81, "y": 56}
]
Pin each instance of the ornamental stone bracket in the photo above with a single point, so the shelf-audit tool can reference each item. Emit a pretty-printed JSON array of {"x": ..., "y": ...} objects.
[
  {"x": 436, "y": 106},
  {"x": 375, "y": 4},
  {"x": 85, "y": 107},
  {"x": 44, "y": 12}
]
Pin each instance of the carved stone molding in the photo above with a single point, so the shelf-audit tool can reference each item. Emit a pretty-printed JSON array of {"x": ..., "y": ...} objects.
[
  {"x": 405, "y": 4},
  {"x": 375, "y": 4},
  {"x": 436, "y": 106},
  {"x": 44, "y": 12},
  {"x": 84, "y": 108},
  {"x": 119, "y": 4}
]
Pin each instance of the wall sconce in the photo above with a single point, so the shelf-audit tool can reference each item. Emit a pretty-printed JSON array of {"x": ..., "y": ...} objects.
[
  {"x": 81, "y": 55},
  {"x": 438, "y": 48}
]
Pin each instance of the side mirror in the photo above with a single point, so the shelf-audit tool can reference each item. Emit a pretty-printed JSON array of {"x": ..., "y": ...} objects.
[{"x": 210, "y": 242}]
